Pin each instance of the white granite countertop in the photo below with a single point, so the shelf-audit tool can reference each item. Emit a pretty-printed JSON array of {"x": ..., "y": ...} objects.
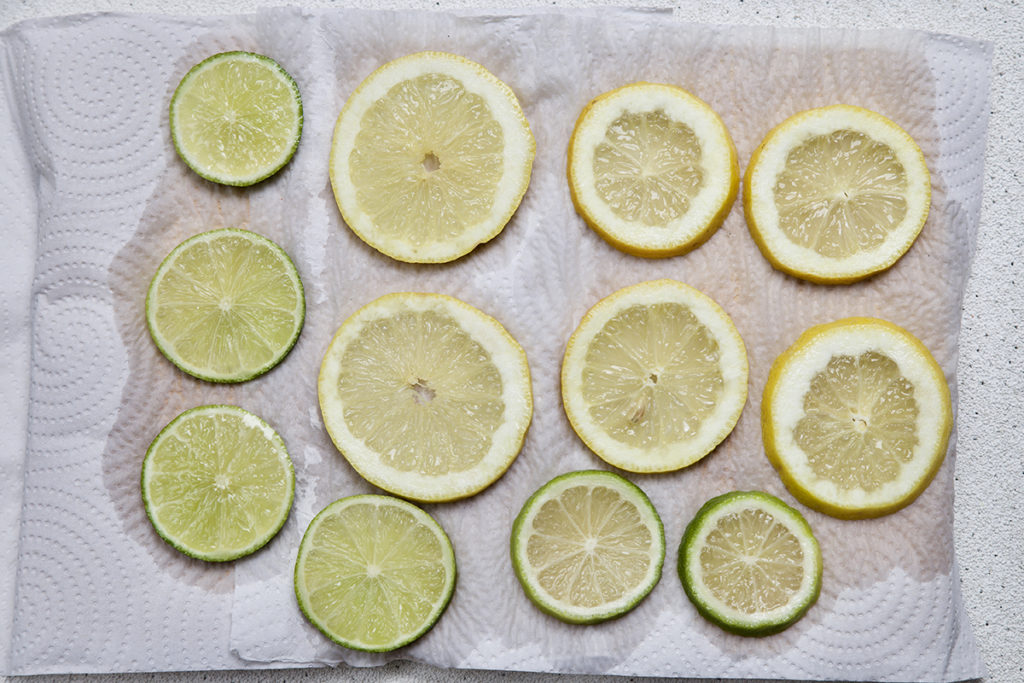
[{"x": 990, "y": 457}]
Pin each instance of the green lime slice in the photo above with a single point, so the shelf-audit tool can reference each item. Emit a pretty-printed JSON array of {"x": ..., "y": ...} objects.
[
  {"x": 588, "y": 546},
  {"x": 236, "y": 118},
  {"x": 750, "y": 563},
  {"x": 374, "y": 572},
  {"x": 217, "y": 483},
  {"x": 226, "y": 305}
]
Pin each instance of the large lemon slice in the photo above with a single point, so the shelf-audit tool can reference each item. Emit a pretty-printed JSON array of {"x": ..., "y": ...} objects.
[
  {"x": 654, "y": 377},
  {"x": 856, "y": 417},
  {"x": 431, "y": 157},
  {"x": 426, "y": 396},
  {"x": 652, "y": 169},
  {"x": 836, "y": 194}
]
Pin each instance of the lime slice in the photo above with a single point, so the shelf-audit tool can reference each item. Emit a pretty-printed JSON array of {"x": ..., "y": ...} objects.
[
  {"x": 588, "y": 546},
  {"x": 426, "y": 396},
  {"x": 750, "y": 563},
  {"x": 236, "y": 118},
  {"x": 856, "y": 417},
  {"x": 226, "y": 305},
  {"x": 652, "y": 169},
  {"x": 654, "y": 377},
  {"x": 374, "y": 572},
  {"x": 835, "y": 194},
  {"x": 217, "y": 483},
  {"x": 430, "y": 158}
]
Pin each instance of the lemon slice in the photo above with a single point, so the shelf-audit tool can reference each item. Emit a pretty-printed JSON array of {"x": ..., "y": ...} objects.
[
  {"x": 427, "y": 397},
  {"x": 431, "y": 157},
  {"x": 654, "y": 377},
  {"x": 236, "y": 118},
  {"x": 750, "y": 563},
  {"x": 652, "y": 169},
  {"x": 374, "y": 573},
  {"x": 856, "y": 417},
  {"x": 226, "y": 305},
  {"x": 588, "y": 546},
  {"x": 836, "y": 194},
  {"x": 217, "y": 483}
]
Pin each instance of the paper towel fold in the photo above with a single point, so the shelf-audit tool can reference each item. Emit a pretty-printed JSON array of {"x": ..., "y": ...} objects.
[{"x": 890, "y": 607}]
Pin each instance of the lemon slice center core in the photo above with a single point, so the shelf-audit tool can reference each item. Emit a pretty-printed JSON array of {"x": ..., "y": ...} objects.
[
  {"x": 841, "y": 194},
  {"x": 428, "y": 160},
  {"x": 653, "y": 375},
  {"x": 422, "y": 393},
  {"x": 647, "y": 167},
  {"x": 860, "y": 421}
]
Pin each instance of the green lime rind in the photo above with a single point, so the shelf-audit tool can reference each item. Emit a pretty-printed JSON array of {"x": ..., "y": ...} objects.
[
  {"x": 447, "y": 557},
  {"x": 182, "y": 146},
  {"x": 689, "y": 558},
  {"x": 205, "y": 374},
  {"x": 520, "y": 563},
  {"x": 153, "y": 513}
]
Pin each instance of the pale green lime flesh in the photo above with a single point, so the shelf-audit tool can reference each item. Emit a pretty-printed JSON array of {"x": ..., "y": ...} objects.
[
  {"x": 374, "y": 572},
  {"x": 226, "y": 305},
  {"x": 588, "y": 546},
  {"x": 236, "y": 118},
  {"x": 750, "y": 563},
  {"x": 217, "y": 483}
]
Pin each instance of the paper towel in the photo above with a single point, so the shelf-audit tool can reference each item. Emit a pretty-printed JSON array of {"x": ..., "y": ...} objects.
[{"x": 98, "y": 591}]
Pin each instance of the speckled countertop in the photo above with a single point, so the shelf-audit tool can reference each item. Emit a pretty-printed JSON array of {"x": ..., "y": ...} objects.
[{"x": 990, "y": 462}]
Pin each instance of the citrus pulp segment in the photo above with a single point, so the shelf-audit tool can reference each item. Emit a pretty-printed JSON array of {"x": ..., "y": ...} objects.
[
  {"x": 588, "y": 546},
  {"x": 654, "y": 377},
  {"x": 374, "y": 572},
  {"x": 835, "y": 194},
  {"x": 217, "y": 483},
  {"x": 652, "y": 169},
  {"x": 856, "y": 417},
  {"x": 226, "y": 305},
  {"x": 750, "y": 563},
  {"x": 430, "y": 158},
  {"x": 236, "y": 118},
  {"x": 426, "y": 397}
]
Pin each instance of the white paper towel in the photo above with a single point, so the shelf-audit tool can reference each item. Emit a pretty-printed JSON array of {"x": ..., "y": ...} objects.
[{"x": 98, "y": 591}]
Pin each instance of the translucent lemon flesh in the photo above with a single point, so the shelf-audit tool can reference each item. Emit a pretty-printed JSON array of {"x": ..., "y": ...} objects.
[
  {"x": 226, "y": 305},
  {"x": 647, "y": 168},
  {"x": 751, "y": 562},
  {"x": 236, "y": 118},
  {"x": 589, "y": 546},
  {"x": 841, "y": 193},
  {"x": 374, "y": 573},
  {"x": 427, "y": 160},
  {"x": 217, "y": 483},
  {"x": 652, "y": 375},
  {"x": 860, "y": 422},
  {"x": 422, "y": 393}
]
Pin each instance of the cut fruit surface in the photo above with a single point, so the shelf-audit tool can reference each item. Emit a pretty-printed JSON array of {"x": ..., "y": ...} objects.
[
  {"x": 374, "y": 573},
  {"x": 750, "y": 563},
  {"x": 654, "y": 377},
  {"x": 236, "y": 118},
  {"x": 226, "y": 305},
  {"x": 217, "y": 483},
  {"x": 431, "y": 156},
  {"x": 836, "y": 194},
  {"x": 588, "y": 546},
  {"x": 652, "y": 169},
  {"x": 856, "y": 417},
  {"x": 426, "y": 396}
]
